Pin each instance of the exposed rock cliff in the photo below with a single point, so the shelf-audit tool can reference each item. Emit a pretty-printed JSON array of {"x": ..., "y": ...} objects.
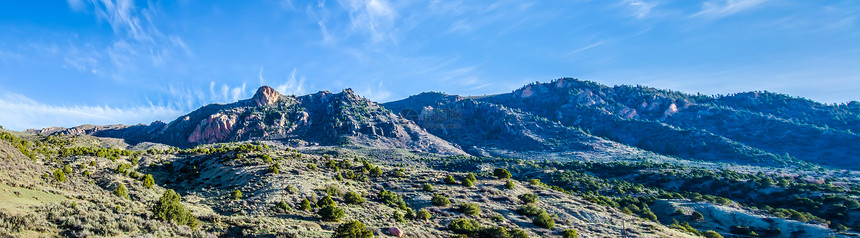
[{"x": 322, "y": 118}]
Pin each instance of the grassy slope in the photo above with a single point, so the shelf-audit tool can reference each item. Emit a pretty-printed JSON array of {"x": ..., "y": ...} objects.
[{"x": 85, "y": 205}]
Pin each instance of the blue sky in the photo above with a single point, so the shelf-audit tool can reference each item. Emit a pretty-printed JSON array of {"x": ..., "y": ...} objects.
[{"x": 66, "y": 63}]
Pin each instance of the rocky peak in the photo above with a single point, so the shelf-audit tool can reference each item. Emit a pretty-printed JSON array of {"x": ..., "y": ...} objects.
[{"x": 266, "y": 96}]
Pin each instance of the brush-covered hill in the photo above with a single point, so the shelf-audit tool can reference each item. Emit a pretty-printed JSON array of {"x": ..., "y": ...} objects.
[
  {"x": 759, "y": 128},
  {"x": 495, "y": 130},
  {"x": 53, "y": 186},
  {"x": 323, "y": 118}
]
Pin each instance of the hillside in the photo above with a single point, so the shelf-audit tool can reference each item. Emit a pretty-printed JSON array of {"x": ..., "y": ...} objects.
[
  {"x": 76, "y": 192},
  {"x": 493, "y": 130},
  {"x": 756, "y": 128}
]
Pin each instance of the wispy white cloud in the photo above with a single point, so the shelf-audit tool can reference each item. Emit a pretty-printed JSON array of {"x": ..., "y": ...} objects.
[
  {"x": 287, "y": 5},
  {"x": 723, "y": 8},
  {"x": 293, "y": 85},
  {"x": 26, "y": 110},
  {"x": 218, "y": 94},
  {"x": 376, "y": 93},
  {"x": 137, "y": 37},
  {"x": 374, "y": 17},
  {"x": 81, "y": 62},
  {"x": 238, "y": 93},
  {"x": 641, "y": 9},
  {"x": 589, "y": 46},
  {"x": 122, "y": 16},
  {"x": 460, "y": 26},
  {"x": 6, "y": 56},
  {"x": 260, "y": 76},
  {"x": 473, "y": 17},
  {"x": 77, "y": 5}
]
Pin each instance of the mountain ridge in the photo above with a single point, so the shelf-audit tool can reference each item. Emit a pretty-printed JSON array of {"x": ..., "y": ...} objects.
[
  {"x": 321, "y": 118},
  {"x": 566, "y": 114}
]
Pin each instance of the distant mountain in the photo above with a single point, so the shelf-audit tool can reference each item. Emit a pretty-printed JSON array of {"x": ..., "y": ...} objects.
[
  {"x": 487, "y": 129},
  {"x": 323, "y": 118},
  {"x": 566, "y": 118},
  {"x": 760, "y": 128}
]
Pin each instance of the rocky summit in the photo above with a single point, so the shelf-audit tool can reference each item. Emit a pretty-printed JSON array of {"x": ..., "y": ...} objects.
[
  {"x": 566, "y": 158},
  {"x": 266, "y": 96}
]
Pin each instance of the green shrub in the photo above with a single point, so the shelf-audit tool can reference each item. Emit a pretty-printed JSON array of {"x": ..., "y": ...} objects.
[
  {"x": 236, "y": 194},
  {"x": 305, "y": 205},
  {"x": 353, "y": 198},
  {"x": 471, "y": 176},
  {"x": 712, "y": 234},
  {"x": 397, "y": 216},
  {"x": 400, "y": 173},
  {"x": 330, "y": 213},
  {"x": 569, "y": 233},
  {"x": 92, "y": 163},
  {"x": 375, "y": 172},
  {"x": 696, "y": 216},
  {"x": 493, "y": 232},
  {"x": 331, "y": 164},
  {"x": 519, "y": 233},
  {"x": 59, "y": 175},
  {"x": 428, "y": 187},
  {"x": 67, "y": 169},
  {"x": 497, "y": 218},
  {"x": 121, "y": 191},
  {"x": 274, "y": 169},
  {"x": 409, "y": 213},
  {"x": 528, "y": 198},
  {"x": 332, "y": 190},
  {"x": 685, "y": 226},
  {"x": 326, "y": 201},
  {"x": 464, "y": 226},
  {"x": 529, "y": 210},
  {"x": 450, "y": 180},
  {"x": 353, "y": 229},
  {"x": 509, "y": 184},
  {"x": 544, "y": 220},
  {"x": 169, "y": 208},
  {"x": 391, "y": 199},
  {"x": 134, "y": 160},
  {"x": 502, "y": 173},
  {"x": 423, "y": 214},
  {"x": 467, "y": 182},
  {"x": 133, "y": 174},
  {"x": 148, "y": 181},
  {"x": 122, "y": 169},
  {"x": 312, "y": 166},
  {"x": 647, "y": 214},
  {"x": 439, "y": 200},
  {"x": 283, "y": 205},
  {"x": 470, "y": 209}
]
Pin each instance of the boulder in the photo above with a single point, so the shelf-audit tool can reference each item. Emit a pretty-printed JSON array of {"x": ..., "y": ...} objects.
[{"x": 394, "y": 231}]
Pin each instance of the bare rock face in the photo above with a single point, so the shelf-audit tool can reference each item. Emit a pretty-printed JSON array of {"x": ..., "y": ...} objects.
[
  {"x": 266, "y": 96},
  {"x": 214, "y": 129}
]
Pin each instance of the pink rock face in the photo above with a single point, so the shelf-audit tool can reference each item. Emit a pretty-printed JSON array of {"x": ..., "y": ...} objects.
[
  {"x": 214, "y": 129},
  {"x": 527, "y": 92},
  {"x": 266, "y": 96},
  {"x": 671, "y": 110},
  {"x": 394, "y": 231}
]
